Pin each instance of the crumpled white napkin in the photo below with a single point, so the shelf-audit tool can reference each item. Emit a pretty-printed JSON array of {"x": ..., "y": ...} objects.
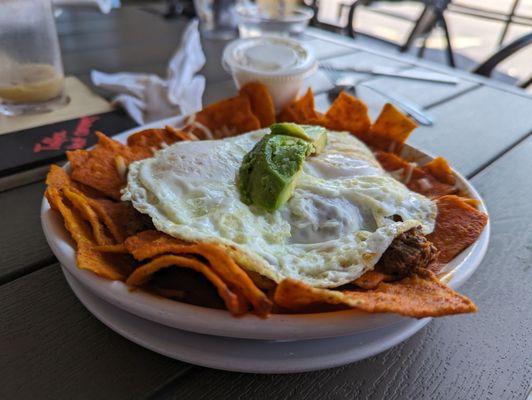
[{"x": 148, "y": 97}]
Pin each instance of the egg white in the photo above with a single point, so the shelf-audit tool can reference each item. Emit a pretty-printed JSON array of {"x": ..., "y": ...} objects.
[{"x": 335, "y": 227}]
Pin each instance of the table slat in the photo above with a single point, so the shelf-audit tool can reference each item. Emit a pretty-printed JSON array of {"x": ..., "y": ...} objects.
[
  {"x": 482, "y": 356},
  {"x": 422, "y": 93},
  {"x": 124, "y": 34},
  {"x": 123, "y": 59},
  {"x": 322, "y": 49},
  {"x": 51, "y": 347},
  {"x": 474, "y": 129},
  {"x": 82, "y": 21},
  {"x": 22, "y": 243}
]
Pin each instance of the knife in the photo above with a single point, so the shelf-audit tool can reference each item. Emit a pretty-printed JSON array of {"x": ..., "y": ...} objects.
[
  {"x": 406, "y": 105},
  {"x": 394, "y": 73}
]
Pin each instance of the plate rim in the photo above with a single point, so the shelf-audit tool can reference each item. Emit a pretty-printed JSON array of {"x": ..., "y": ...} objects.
[
  {"x": 144, "y": 336},
  {"x": 277, "y": 326}
]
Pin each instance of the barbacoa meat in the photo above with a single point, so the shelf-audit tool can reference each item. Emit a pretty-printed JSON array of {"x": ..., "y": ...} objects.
[{"x": 408, "y": 252}]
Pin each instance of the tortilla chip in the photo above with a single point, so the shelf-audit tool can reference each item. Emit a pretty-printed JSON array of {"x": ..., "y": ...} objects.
[
  {"x": 414, "y": 177},
  {"x": 261, "y": 281},
  {"x": 458, "y": 225},
  {"x": 58, "y": 178},
  {"x": 300, "y": 111},
  {"x": 420, "y": 295},
  {"x": 144, "y": 143},
  {"x": 297, "y": 296},
  {"x": 169, "y": 293},
  {"x": 390, "y": 130},
  {"x": 149, "y": 244},
  {"x": 179, "y": 134},
  {"x": 87, "y": 256},
  {"x": 120, "y": 218},
  {"x": 225, "y": 118},
  {"x": 318, "y": 120},
  {"x": 261, "y": 102},
  {"x": 108, "y": 266},
  {"x": 81, "y": 204},
  {"x": 112, "y": 248},
  {"x": 151, "y": 138},
  {"x": 371, "y": 279},
  {"x": 142, "y": 275},
  {"x": 286, "y": 115},
  {"x": 74, "y": 224},
  {"x": 472, "y": 202},
  {"x": 348, "y": 114},
  {"x": 98, "y": 168},
  {"x": 440, "y": 169},
  {"x": 390, "y": 162},
  {"x": 194, "y": 286},
  {"x": 431, "y": 187}
]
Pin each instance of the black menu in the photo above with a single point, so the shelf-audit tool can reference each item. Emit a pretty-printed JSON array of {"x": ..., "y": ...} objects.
[{"x": 36, "y": 147}]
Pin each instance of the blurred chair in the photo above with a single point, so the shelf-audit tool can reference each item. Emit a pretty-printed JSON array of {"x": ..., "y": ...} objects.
[
  {"x": 487, "y": 67},
  {"x": 431, "y": 17}
]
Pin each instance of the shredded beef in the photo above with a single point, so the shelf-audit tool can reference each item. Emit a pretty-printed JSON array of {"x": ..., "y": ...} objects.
[{"x": 408, "y": 252}]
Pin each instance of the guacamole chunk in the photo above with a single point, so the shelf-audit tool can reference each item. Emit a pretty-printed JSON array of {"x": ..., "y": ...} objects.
[{"x": 268, "y": 173}]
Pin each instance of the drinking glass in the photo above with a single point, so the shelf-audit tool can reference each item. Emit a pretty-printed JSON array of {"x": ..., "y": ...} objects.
[
  {"x": 31, "y": 71},
  {"x": 217, "y": 18},
  {"x": 272, "y": 17}
]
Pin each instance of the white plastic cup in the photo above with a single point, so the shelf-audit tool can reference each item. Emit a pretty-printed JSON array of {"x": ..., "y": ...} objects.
[{"x": 282, "y": 64}]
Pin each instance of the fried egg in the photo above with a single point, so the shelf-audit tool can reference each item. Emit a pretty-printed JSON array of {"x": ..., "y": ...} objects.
[{"x": 344, "y": 213}]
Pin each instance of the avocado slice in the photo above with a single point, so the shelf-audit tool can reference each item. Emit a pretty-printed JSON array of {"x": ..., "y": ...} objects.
[
  {"x": 316, "y": 135},
  {"x": 268, "y": 174},
  {"x": 289, "y": 129}
]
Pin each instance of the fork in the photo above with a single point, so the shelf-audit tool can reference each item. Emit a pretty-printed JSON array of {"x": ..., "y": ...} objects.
[
  {"x": 334, "y": 76},
  {"x": 342, "y": 82}
]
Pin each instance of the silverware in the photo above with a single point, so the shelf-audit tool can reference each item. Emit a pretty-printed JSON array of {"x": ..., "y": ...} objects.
[
  {"x": 349, "y": 83},
  {"x": 394, "y": 73},
  {"x": 412, "y": 109}
]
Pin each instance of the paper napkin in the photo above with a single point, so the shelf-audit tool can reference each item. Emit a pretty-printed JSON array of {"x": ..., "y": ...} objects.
[{"x": 148, "y": 97}]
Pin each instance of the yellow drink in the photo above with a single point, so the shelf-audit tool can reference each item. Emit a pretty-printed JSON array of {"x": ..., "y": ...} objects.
[{"x": 30, "y": 83}]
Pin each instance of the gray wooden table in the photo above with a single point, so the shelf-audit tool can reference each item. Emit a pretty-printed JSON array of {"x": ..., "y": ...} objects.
[{"x": 51, "y": 347}]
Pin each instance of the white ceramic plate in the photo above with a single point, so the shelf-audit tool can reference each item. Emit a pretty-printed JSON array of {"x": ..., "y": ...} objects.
[
  {"x": 219, "y": 322},
  {"x": 244, "y": 355}
]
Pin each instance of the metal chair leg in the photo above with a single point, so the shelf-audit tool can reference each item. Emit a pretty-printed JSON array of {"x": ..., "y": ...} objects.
[
  {"x": 423, "y": 47},
  {"x": 508, "y": 22},
  {"x": 425, "y": 23},
  {"x": 351, "y": 20},
  {"x": 450, "y": 54},
  {"x": 351, "y": 16},
  {"x": 315, "y": 6},
  {"x": 526, "y": 84}
]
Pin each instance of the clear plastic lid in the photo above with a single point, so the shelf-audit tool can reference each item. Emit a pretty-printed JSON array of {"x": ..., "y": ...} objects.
[{"x": 269, "y": 56}]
